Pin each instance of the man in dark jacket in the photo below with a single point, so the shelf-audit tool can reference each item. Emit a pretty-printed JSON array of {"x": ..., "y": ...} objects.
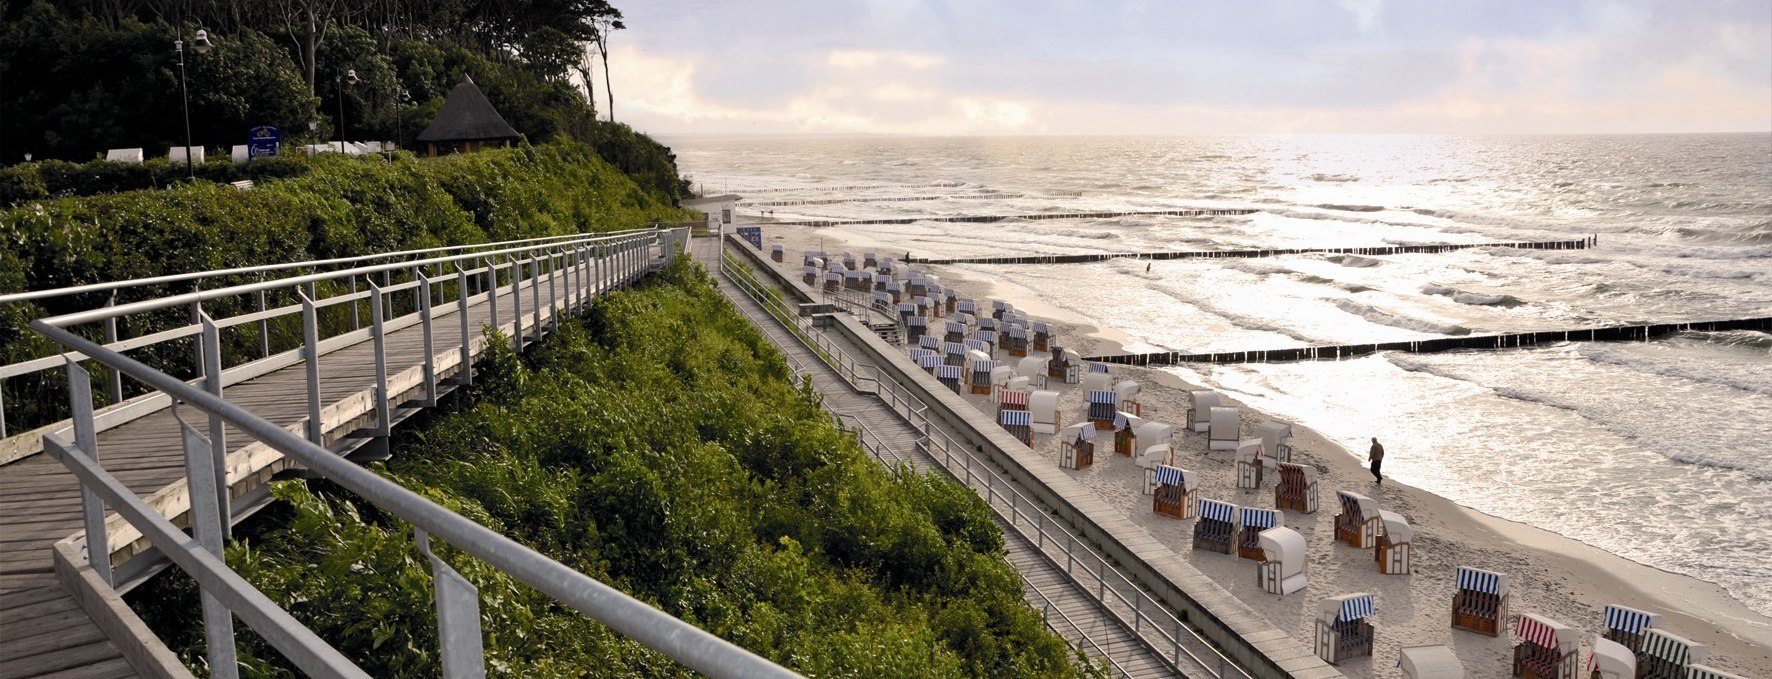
[{"x": 1376, "y": 455}]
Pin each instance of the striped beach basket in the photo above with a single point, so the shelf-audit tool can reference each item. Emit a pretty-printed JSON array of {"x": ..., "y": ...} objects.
[
  {"x": 950, "y": 376},
  {"x": 1358, "y": 523},
  {"x": 1548, "y": 649},
  {"x": 1248, "y": 537},
  {"x": 1216, "y": 529},
  {"x": 1480, "y": 605},
  {"x": 1019, "y": 423},
  {"x": 1077, "y": 446},
  {"x": 930, "y": 363},
  {"x": 1102, "y": 408},
  {"x": 1010, "y": 399},
  {"x": 1666, "y": 656},
  {"x": 981, "y": 376},
  {"x": 1344, "y": 629},
  {"x": 1297, "y": 489},
  {"x": 1176, "y": 494},
  {"x": 1626, "y": 625}
]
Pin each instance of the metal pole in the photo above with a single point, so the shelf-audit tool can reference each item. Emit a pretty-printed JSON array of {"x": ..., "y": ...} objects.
[
  {"x": 383, "y": 418},
  {"x": 424, "y": 314},
  {"x": 184, "y": 93},
  {"x": 115, "y": 388},
  {"x": 212, "y": 383},
  {"x": 218, "y": 623},
  {"x": 310, "y": 333},
  {"x": 516, "y": 303},
  {"x": 465, "y": 371},
  {"x": 92, "y": 508},
  {"x": 458, "y": 616}
]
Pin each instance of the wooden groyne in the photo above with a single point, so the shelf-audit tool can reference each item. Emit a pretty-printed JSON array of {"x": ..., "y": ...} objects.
[
  {"x": 1578, "y": 244},
  {"x": 1617, "y": 333},
  {"x": 880, "y": 199},
  {"x": 1050, "y": 215}
]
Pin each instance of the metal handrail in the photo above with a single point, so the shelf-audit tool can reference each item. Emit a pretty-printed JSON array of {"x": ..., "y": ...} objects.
[
  {"x": 177, "y": 278},
  {"x": 918, "y": 418},
  {"x": 225, "y": 594},
  {"x": 557, "y": 254}
]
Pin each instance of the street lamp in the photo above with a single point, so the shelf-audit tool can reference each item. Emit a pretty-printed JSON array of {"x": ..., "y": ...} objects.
[
  {"x": 349, "y": 78},
  {"x": 199, "y": 45}
]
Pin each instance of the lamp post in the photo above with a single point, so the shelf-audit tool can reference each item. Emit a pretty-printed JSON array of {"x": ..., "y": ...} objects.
[
  {"x": 349, "y": 78},
  {"x": 199, "y": 45}
]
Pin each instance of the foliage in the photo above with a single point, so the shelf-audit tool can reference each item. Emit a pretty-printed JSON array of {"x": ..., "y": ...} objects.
[
  {"x": 657, "y": 445},
  {"x": 78, "y": 87},
  {"x": 339, "y": 207},
  {"x": 83, "y": 77}
]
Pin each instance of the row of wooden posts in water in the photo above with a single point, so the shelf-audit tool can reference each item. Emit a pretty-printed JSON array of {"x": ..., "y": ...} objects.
[
  {"x": 1032, "y": 217},
  {"x": 879, "y": 199},
  {"x": 1577, "y": 244},
  {"x": 1617, "y": 333}
]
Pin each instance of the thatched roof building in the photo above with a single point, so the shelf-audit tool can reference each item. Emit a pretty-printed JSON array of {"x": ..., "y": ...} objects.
[{"x": 466, "y": 123}]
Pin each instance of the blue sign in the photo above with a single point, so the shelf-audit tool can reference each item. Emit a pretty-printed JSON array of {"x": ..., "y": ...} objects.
[
  {"x": 754, "y": 234},
  {"x": 263, "y": 140}
]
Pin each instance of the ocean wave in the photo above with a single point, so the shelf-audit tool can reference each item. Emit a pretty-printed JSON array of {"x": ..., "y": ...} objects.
[
  {"x": 1240, "y": 320},
  {"x": 947, "y": 183},
  {"x": 1473, "y": 298},
  {"x": 1747, "y": 378},
  {"x": 1344, "y": 285},
  {"x": 1651, "y": 432},
  {"x": 1332, "y": 178},
  {"x": 1355, "y": 261},
  {"x": 1381, "y": 317},
  {"x": 1351, "y": 208}
]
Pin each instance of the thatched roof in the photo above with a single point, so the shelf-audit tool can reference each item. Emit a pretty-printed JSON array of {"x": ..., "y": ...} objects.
[{"x": 467, "y": 116}]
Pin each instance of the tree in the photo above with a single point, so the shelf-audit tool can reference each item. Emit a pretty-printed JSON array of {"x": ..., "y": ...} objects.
[
  {"x": 307, "y": 22},
  {"x": 606, "y": 22},
  {"x": 550, "y": 53}
]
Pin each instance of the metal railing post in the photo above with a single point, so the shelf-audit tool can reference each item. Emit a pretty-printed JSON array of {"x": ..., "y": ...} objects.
[
  {"x": 535, "y": 292},
  {"x": 465, "y": 374},
  {"x": 387, "y": 281},
  {"x": 355, "y": 324},
  {"x": 92, "y": 507},
  {"x": 516, "y": 303},
  {"x": 553, "y": 289},
  {"x": 424, "y": 315},
  {"x": 212, "y": 383},
  {"x": 115, "y": 388},
  {"x": 264, "y": 326},
  {"x": 492, "y": 289},
  {"x": 218, "y": 622},
  {"x": 310, "y": 348},
  {"x": 602, "y": 254},
  {"x": 383, "y": 416},
  {"x": 458, "y": 616}
]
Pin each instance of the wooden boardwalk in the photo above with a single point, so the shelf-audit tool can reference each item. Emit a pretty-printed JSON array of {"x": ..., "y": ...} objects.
[
  {"x": 43, "y": 631},
  {"x": 1069, "y": 609}
]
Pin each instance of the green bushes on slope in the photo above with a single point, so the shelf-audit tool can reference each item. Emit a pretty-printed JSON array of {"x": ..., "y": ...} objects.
[
  {"x": 341, "y": 207},
  {"x": 658, "y": 446}
]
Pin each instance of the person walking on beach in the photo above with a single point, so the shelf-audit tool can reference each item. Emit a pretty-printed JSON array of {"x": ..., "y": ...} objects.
[{"x": 1376, "y": 455}]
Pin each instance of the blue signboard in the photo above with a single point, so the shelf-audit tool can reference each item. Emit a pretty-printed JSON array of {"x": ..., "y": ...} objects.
[
  {"x": 263, "y": 140},
  {"x": 754, "y": 234}
]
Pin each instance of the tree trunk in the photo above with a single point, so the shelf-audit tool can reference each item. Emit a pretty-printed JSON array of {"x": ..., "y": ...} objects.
[{"x": 603, "y": 48}]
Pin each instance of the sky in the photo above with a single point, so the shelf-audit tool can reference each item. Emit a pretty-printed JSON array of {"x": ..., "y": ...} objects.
[{"x": 1178, "y": 67}]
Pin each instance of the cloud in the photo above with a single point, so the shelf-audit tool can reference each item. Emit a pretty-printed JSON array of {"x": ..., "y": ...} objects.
[
  {"x": 1366, "y": 12},
  {"x": 888, "y": 67}
]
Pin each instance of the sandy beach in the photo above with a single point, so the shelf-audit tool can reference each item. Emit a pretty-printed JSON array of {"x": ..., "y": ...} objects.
[{"x": 1550, "y": 575}]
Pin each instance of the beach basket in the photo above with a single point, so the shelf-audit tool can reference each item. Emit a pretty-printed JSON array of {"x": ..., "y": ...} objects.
[
  {"x": 1480, "y": 604},
  {"x": 1627, "y": 625},
  {"x": 1102, "y": 408},
  {"x": 1202, "y": 404},
  {"x": 1344, "y": 629},
  {"x": 1044, "y": 406},
  {"x": 1281, "y": 570},
  {"x": 1393, "y": 545},
  {"x": 1019, "y": 424},
  {"x": 1042, "y": 336},
  {"x": 1076, "y": 446},
  {"x": 1125, "y": 432},
  {"x": 1297, "y": 489},
  {"x": 1666, "y": 656},
  {"x": 1216, "y": 527},
  {"x": 1249, "y": 536},
  {"x": 1429, "y": 662},
  {"x": 1358, "y": 523},
  {"x": 1612, "y": 660},
  {"x": 1548, "y": 649},
  {"x": 1176, "y": 494},
  {"x": 950, "y": 376},
  {"x": 1275, "y": 440}
]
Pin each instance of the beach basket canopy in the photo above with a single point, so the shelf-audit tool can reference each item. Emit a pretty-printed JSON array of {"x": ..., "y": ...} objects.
[
  {"x": 1429, "y": 662},
  {"x": 1357, "y": 606},
  {"x": 1286, "y": 546}
]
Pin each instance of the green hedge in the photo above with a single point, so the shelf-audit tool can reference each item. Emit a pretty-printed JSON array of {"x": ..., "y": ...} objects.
[
  {"x": 340, "y": 207},
  {"x": 659, "y": 446}
]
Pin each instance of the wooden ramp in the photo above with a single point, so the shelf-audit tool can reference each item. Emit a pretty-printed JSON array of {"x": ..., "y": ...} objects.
[
  {"x": 1069, "y": 610},
  {"x": 43, "y": 630}
]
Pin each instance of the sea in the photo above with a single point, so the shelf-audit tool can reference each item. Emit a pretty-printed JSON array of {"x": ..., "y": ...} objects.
[{"x": 1657, "y": 451}]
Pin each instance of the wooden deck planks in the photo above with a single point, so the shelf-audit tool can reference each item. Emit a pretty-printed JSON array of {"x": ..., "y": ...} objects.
[{"x": 43, "y": 632}]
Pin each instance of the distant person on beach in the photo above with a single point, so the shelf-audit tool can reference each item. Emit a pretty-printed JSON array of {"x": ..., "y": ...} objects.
[{"x": 1376, "y": 455}]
